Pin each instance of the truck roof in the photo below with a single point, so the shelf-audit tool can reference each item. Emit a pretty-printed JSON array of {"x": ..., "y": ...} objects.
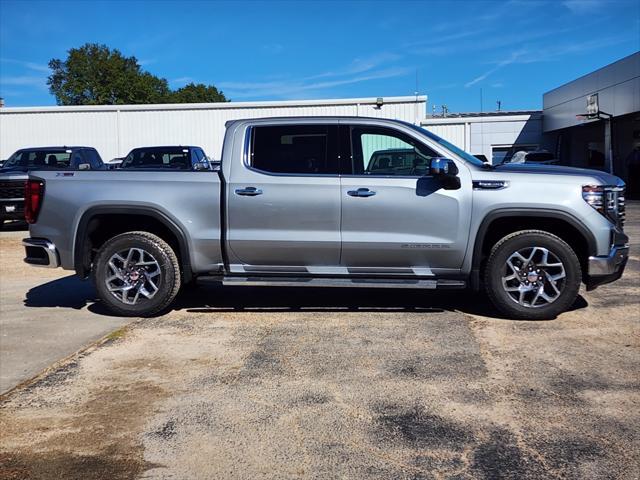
[
  {"x": 57, "y": 147},
  {"x": 313, "y": 117}
]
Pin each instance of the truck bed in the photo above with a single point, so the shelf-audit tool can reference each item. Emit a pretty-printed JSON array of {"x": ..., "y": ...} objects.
[{"x": 189, "y": 201}]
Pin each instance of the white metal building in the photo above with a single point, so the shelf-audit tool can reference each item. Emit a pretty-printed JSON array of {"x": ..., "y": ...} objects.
[
  {"x": 493, "y": 135},
  {"x": 115, "y": 129}
]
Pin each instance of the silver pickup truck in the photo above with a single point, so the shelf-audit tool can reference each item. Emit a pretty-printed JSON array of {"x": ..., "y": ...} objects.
[{"x": 336, "y": 202}]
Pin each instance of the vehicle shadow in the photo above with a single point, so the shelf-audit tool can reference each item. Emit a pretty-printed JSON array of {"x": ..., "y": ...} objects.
[
  {"x": 67, "y": 292},
  {"x": 211, "y": 297}
]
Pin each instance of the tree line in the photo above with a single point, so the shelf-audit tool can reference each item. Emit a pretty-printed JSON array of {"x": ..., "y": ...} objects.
[{"x": 94, "y": 74}]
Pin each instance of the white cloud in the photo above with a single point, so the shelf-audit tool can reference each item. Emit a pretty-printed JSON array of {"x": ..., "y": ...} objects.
[
  {"x": 298, "y": 87},
  {"x": 37, "y": 67},
  {"x": 24, "y": 80},
  {"x": 508, "y": 61},
  {"x": 582, "y": 7},
  {"x": 361, "y": 69},
  {"x": 181, "y": 80}
]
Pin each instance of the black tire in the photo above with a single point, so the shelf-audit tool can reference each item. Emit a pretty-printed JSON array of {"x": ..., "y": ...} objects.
[
  {"x": 496, "y": 268},
  {"x": 168, "y": 283}
]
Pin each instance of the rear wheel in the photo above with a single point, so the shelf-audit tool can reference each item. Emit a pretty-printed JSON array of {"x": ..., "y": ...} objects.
[
  {"x": 136, "y": 274},
  {"x": 532, "y": 274}
]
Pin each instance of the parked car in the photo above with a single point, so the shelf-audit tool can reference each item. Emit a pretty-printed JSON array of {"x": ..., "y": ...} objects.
[
  {"x": 114, "y": 163},
  {"x": 14, "y": 172},
  {"x": 173, "y": 157},
  {"x": 294, "y": 205}
]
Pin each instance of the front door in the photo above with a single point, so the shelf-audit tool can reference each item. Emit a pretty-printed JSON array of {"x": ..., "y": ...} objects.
[
  {"x": 396, "y": 219},
  {"x": 283, "y": 201}
]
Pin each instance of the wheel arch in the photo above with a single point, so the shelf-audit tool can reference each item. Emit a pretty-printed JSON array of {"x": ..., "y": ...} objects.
[
  {"x": 499, "y": 223},
  {"x": 102, "y": 222}
]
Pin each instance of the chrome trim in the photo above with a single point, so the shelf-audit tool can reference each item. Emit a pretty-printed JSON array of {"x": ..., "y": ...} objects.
[
  {"x": 362, "y": 192},
  {"x": 329, "y": 282},
  {"x": 248, "y": 191},
  {"x": 48, "y": 247},
  {"x": 609, "y": 264},
  {"x": 490, "y": 184}
]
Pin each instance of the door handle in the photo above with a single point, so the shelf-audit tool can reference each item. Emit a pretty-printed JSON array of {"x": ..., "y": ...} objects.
[
  {"x": 248, "y": 191},
  {"x": 361, "y": 192}
]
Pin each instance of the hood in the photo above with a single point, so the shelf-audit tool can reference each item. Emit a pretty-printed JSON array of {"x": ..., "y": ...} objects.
[{"x": 546, "y": 169}]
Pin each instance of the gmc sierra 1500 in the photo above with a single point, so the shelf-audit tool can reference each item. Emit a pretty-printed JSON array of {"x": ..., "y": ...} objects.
[{"x": 316, "y": 202}]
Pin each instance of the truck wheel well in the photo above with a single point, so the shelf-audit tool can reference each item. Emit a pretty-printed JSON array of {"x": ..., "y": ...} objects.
[
  {"x": 102, "y": 227},
  {"x": 503, "y": 226}
]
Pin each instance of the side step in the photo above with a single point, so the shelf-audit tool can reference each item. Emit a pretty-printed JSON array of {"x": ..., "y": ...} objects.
[{"x": 341, "y": 282}]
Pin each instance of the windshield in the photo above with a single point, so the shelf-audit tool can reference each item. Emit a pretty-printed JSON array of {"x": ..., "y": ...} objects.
[
  {"x": 449, "y": 146},
  {"x": 38, "y": 159},
  {"x": 158, "y": 157}
]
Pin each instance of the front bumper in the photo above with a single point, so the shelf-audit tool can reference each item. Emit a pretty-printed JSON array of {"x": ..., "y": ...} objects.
[
  {"x": 607, "y": 269},
  {"x": 41, "y": 253}
]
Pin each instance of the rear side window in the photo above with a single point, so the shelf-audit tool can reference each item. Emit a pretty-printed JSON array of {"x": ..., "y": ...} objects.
[
  {"x": 294, "y": 149},
  {"x": 91, "y": 156},
  {"x": 45, "y": 159},
  {"x": 176, "y": 158}
]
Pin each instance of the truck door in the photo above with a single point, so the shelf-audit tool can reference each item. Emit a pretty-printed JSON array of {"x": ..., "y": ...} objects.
[
  {"x": 396, "y": 219},
  {"x": 284, "y": 200}
]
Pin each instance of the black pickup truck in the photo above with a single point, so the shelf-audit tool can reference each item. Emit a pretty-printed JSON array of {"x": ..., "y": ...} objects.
[{"x": 15, "y": 171}]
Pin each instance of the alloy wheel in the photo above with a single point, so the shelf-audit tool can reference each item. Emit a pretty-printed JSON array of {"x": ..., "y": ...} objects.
[
  {"x": 133, "y": 275},
  {"x": 534, "y": 277}
]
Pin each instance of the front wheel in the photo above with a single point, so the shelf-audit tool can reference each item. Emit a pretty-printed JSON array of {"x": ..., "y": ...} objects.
[
  {"x": 533, "y": 275},
  {"x": 136, "y": 274}
]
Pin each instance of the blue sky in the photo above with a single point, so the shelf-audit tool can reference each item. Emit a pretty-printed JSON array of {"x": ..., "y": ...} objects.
[{"x": 513, "y": 50}]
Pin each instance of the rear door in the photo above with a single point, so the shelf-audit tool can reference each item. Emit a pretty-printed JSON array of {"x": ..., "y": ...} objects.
[
  {"x": 396, "y": 218},
  {"x": 283, "y": 200}
]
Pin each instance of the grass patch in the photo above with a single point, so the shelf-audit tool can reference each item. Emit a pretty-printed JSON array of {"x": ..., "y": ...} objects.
[{"x": 116, "y": 334}]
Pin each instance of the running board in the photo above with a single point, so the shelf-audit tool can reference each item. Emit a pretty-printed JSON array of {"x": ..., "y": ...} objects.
[{"x": 341, "y": 282}]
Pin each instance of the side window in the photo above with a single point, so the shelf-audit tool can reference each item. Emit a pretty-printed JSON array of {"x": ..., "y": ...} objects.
[
  {"x": 198, "y": 154},
  {"x": 76, "y": 159},
  {"x": 92, "y": 157},
  {"x": 294, "y": 149},
  {"x": 386, "y": 152}
]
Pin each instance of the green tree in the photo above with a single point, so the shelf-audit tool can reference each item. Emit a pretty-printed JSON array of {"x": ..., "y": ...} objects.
[
  {"x": 197, "y": 93},
  {"x": 97, "y": 75}
]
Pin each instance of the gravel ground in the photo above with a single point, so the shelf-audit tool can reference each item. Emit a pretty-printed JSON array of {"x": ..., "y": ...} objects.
[{"x": 302, "y": 383}]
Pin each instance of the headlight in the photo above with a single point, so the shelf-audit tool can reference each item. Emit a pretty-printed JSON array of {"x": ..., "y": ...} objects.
[{"x": 606, "y": 199}]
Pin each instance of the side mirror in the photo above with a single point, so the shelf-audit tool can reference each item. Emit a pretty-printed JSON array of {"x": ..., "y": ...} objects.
[
  {"x": 446, "y": 171},
  {"x": 84, "y": 166},
  {"x": 201, "y": 166}
]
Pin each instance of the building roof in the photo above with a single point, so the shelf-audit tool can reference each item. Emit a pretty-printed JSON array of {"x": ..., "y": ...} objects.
[
  {"x": 501, "y": 113},
  {"x": 218, "y": 105}
]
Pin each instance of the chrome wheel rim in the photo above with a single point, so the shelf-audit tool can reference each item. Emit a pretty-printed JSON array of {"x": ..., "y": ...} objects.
[
  {"x": 534, "y": 277},
  {"x": 133, "y": 275}
]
